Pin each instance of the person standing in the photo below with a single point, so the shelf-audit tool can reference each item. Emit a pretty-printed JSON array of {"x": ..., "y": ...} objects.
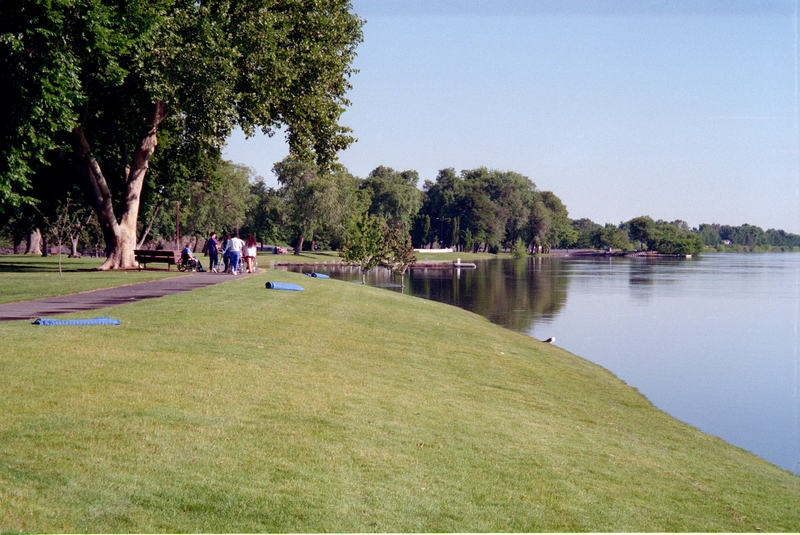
[
  {"x": 226, "y": 258},
  {"x": 211, "y": 249},
  {"x": 234, "y": 250},
  {"x": 250, "y": 247}
]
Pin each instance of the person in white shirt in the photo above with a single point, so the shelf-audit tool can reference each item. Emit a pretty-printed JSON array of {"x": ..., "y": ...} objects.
[
  {"x": 234, "y": 250},
  {"x": 250, "y": 253}
]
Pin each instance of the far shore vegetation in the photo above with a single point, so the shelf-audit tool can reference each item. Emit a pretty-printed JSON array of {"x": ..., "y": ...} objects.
[
  {"x": 344, "y": 408},
  {"x": 477, "y": 211}
]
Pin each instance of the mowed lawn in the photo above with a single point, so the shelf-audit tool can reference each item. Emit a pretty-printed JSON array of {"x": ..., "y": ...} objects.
[
  {"x": 346, "y": 408},
  {"x": 24, "y": 277}
]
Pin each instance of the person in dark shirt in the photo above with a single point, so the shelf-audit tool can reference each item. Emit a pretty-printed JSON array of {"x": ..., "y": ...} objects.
[
  {"x": 225, "y": 256},
  {"x": 211, "y": 249}
]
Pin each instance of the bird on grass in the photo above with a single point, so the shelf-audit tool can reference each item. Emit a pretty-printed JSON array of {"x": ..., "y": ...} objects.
[{"x": 550, "y": 340}]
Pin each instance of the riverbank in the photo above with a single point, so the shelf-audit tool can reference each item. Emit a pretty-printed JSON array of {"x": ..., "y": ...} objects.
[{"x": 351, "y": 409}]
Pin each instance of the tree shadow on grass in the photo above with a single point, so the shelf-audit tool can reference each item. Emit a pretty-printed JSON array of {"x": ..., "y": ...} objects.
[{"x": 41, "y": 264}]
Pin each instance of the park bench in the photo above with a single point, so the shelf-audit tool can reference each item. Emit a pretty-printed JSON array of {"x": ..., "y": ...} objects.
[{"x": 152, "y": 257}]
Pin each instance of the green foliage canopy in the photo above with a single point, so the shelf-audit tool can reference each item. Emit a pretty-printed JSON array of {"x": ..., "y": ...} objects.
[
  {"x": 98, "y": 83},
  {"x": 393, "y": 194},
  {"x": 491, "y": 209},
  {"x": 221, "y": 203},
  {"x": 365, "y": 243},
  {"x": 669, "y": 238},
  {"x": 315, "y": 201}
]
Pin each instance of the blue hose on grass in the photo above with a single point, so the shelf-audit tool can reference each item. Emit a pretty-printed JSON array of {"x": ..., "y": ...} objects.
[
  {"x": 317, "y": 275},
  {"x": 284, "y": 286},
  {"x": 103, "y": 320}
]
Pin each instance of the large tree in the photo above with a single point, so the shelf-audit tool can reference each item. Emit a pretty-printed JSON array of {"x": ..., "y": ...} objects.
[
  {"x": 220, "y": 204},
  {"x": 439, "y": 208},
  {"x": 393, "y": 194},
  {"x": 640, "y": 229},
  {"x": 561, "y": 233},
  {"x": 366, "y": 243},
  {"x": 491, "y": 209},
  {"x": 265, "y": 218},
  {"x": 314, "y": 200},
  {"x": 99, "y": 83}
]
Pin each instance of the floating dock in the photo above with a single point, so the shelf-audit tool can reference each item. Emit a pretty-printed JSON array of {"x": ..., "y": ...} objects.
[
  {"x": 418, "y": 265},
  {"x": 442, "y": 265},
  {"x": 618, "y": 254}
]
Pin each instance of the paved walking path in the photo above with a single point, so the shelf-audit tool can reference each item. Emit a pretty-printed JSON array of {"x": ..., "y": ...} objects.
[{"x": 110, "y": 297}]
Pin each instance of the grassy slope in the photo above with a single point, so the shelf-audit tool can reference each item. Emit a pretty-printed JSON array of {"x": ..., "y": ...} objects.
[
  {"x": 346, "y": 408},
  {"x": 33, "y": 277}
]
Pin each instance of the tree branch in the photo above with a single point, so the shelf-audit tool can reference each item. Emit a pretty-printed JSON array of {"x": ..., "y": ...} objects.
[
  {"x": 150, "y": 224},
  {"x": 123, "y": 147},
  {"x": 90, "y": 169}
]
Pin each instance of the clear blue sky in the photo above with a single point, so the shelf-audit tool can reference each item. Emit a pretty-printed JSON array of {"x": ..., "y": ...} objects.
[{"x": 673, "y": 109}]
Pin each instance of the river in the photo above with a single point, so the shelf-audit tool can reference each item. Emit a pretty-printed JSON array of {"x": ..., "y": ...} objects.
[{"x": 711, "y": 340}]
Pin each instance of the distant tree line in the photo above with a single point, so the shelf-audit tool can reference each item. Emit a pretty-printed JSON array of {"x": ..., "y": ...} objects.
[
  {"x": 640, "y": 233},
  {"x": 476, "y": 210},
  {"x": 675, "y": 237},
  {"x": 747, "y": 237},
  {"x": 312, "y": 208}
]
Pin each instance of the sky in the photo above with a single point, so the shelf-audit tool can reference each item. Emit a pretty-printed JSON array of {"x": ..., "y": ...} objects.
[{"x": 675, "y": 109}]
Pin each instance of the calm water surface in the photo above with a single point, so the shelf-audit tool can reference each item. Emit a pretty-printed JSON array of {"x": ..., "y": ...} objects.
[{"x": 712, "y": 340}]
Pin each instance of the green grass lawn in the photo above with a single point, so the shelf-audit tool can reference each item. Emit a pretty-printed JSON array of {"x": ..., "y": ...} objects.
[
  {"x": 33, "y": 277},
  {"x": 346, "y": 408}
]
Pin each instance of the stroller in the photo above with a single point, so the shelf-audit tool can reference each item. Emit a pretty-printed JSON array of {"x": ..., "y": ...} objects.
[{"x": 189, "y": 264}]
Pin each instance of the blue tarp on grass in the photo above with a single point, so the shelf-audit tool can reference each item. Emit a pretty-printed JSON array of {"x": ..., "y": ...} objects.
[
  {"x": 317, "y": 275},
  {"x": 103, "y": 320},
  {"x": 284, "y": 286}
]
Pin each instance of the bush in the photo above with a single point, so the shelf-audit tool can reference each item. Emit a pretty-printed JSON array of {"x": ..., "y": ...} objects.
[
  {"x": 518, "y": 249},
  {"x": 667, "y": 238}
]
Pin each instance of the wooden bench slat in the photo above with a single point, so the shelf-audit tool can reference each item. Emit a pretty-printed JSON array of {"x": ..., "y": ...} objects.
[{"x": 144, "y": 257}]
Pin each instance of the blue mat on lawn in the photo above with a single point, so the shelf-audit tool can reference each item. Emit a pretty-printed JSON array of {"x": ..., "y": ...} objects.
[
  {"x": 284, "y": 286},
  {"x": 103, "y": 320},
  {"x": 317, "y": 275}
]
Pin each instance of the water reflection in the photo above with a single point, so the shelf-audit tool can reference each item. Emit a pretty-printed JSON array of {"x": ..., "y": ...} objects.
[
  {"x": 644, "y": 272},
  {"x": 641, "y": 279},
  {"x": 512, "y": 293}
]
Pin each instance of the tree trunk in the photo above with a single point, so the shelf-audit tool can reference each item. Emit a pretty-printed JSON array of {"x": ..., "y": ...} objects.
[
  {"x": 120, "y": 235},
  {"x": 149, "y": 225},
  {"x": 60, "y": 272},
  {"x": 45, "y": 246},
  {"x": 298, "y": 247},
  {"x": 17, "y": 240},
  {"x": 34, "y": 242},
  {"x": 74, "y": 235}
]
